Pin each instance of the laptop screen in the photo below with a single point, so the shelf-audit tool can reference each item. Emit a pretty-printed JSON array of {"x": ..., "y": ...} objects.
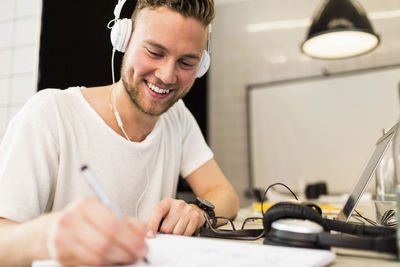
[{"x": 359, "y": 188}]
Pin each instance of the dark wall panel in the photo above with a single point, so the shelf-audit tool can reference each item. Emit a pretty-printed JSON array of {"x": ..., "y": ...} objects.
[{"x": 75, "y": 49}]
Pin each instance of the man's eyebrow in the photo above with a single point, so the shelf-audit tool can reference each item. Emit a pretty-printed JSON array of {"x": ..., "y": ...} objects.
[{"x": 194, "y": 56}]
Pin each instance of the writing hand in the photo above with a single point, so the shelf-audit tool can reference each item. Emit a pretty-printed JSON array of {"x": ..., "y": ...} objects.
[
  {"x": 173, "y": 216},
  {"x": 88, "y": 233}
]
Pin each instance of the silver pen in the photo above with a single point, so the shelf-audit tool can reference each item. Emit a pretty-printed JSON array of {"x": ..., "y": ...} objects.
[{"x": 100, "y": 193}]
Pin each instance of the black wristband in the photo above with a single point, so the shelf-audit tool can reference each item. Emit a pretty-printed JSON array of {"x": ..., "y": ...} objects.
[{"x": 207, "y": 206}]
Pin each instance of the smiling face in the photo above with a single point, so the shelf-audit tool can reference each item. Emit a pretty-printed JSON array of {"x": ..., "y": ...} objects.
[{"x": 161, "y": 61}]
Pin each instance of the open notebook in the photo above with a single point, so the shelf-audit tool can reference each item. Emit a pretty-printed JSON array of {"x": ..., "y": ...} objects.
[{"x": 181, "y": 251}]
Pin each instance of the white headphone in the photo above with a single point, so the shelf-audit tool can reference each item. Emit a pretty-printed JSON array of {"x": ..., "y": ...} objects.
[{"x": 121, "y": 33}]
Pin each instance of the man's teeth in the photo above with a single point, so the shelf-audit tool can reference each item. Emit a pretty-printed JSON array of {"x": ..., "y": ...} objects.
[{"x": 156, "y": 89}]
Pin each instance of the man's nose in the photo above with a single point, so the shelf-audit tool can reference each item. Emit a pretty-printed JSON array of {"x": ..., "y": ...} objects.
[{"x": 166, "y": 72}]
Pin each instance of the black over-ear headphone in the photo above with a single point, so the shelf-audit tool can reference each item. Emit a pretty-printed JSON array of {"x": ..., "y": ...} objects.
[
  {"x": 121, "y": 33},
  {"x": 298, "y": 225}
]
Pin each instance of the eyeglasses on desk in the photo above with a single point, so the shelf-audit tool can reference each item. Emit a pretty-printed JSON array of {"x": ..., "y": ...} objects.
[{"x": 246, "y": 231}]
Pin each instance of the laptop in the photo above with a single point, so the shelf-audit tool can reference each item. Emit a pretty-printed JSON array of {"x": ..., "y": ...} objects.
[{"x": 382, "y": 145}]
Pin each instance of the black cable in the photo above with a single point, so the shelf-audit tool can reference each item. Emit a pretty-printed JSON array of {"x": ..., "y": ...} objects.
[
  {"x": 358, "y": 214},
  {"x": 266, "y": 191}
]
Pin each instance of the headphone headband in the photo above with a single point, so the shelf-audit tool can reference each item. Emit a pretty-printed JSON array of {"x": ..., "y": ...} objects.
[
  {"x": 118, "y": 8},
  {"x": 122, "y": 29}
]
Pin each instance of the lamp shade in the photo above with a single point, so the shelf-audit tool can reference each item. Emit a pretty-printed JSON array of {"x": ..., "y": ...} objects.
[{"x": 340, "y": 29}]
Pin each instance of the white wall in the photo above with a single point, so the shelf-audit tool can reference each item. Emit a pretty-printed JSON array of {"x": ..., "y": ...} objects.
[
  {"x": 241, "y": 57},
  {"x": 19, "y": 27}
]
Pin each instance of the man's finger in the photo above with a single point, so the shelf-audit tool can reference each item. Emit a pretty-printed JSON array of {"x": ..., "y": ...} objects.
[
  {"x": 191, "y": 228},
  {"x": 158, "y": 213},
  {"x": 80, "y": 254},
  {"x": 69, "y": 250},
  {"x": 104, "y": 247},
  {"x": 137, "y": 226},
  {"x": 181, "y": 225},
  {"x": 109, "y": 225}
]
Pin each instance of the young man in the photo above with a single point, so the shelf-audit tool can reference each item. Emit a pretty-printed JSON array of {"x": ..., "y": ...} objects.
[{"x": 47, "y": 209}]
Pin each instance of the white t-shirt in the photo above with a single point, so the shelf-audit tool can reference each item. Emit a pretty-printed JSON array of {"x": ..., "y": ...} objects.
[{"x": 57, "y": 131}]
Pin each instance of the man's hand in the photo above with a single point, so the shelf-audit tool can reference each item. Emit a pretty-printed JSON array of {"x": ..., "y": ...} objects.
[
  {"x": 173, "y": 216},
  {"x": 88, "y": 233}
]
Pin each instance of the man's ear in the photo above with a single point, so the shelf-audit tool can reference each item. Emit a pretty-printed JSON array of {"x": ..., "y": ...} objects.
[{"x": 121, "y": 34}]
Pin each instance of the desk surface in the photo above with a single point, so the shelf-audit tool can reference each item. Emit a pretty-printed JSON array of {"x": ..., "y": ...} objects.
[{"x": 344, "y": 257}]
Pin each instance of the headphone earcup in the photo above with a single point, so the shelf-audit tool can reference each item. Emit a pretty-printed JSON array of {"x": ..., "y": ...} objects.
[
  {"x": 291, "y": 210},
  {"x": 204, "y": 64},
  {"x": 120, "y": 34},
  {"x": 359, "y": 236}
]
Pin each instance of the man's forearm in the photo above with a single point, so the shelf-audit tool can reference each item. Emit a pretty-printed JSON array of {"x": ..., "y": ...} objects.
[
  {"x": 225, "y": 200},
  {"x": 210, "y": 183},
  {"x": 20, "y": 244}
]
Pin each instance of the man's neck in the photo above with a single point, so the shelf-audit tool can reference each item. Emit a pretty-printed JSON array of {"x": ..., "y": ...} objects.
[{"x": 136, "y": 123}]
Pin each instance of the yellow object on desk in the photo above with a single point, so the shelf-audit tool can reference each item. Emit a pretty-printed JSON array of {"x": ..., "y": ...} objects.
[{"x": 327, "y": 209}]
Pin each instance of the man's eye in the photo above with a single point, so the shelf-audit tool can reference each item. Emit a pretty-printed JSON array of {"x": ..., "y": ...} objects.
[
  {"x": 152, "y": 53},
  {"x": 187, "y": 65}
]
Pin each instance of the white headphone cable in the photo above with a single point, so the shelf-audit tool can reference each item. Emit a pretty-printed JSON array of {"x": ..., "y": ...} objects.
[
  {"x": 118, "y": 118},
  {"x": 121, "y": 126},
  {"x": 116, "y": 113}
]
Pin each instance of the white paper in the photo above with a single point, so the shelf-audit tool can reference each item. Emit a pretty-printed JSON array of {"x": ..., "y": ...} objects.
[{"x": 180, "y": 251}]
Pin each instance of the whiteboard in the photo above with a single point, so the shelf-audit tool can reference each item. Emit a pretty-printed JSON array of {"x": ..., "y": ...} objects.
[{"x": 319, "y": 129}]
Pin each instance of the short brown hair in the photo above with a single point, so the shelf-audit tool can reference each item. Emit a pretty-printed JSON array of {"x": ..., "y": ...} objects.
[{"x": 202, "y": 10}]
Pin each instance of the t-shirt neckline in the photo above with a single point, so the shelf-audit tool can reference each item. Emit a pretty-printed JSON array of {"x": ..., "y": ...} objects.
[{"x": 148, "y": 138}]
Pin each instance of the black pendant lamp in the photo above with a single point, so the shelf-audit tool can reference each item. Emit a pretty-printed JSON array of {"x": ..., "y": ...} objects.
[{"x": 340, "y": 29}]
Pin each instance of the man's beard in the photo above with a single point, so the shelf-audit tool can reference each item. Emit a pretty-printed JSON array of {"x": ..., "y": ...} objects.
[{"x": 134, "y": 95}]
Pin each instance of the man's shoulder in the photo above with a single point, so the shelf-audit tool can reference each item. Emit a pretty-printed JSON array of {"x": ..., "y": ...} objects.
[
  {"x": 43, "y": 103},
  {"x": 53, "y": 93}
]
